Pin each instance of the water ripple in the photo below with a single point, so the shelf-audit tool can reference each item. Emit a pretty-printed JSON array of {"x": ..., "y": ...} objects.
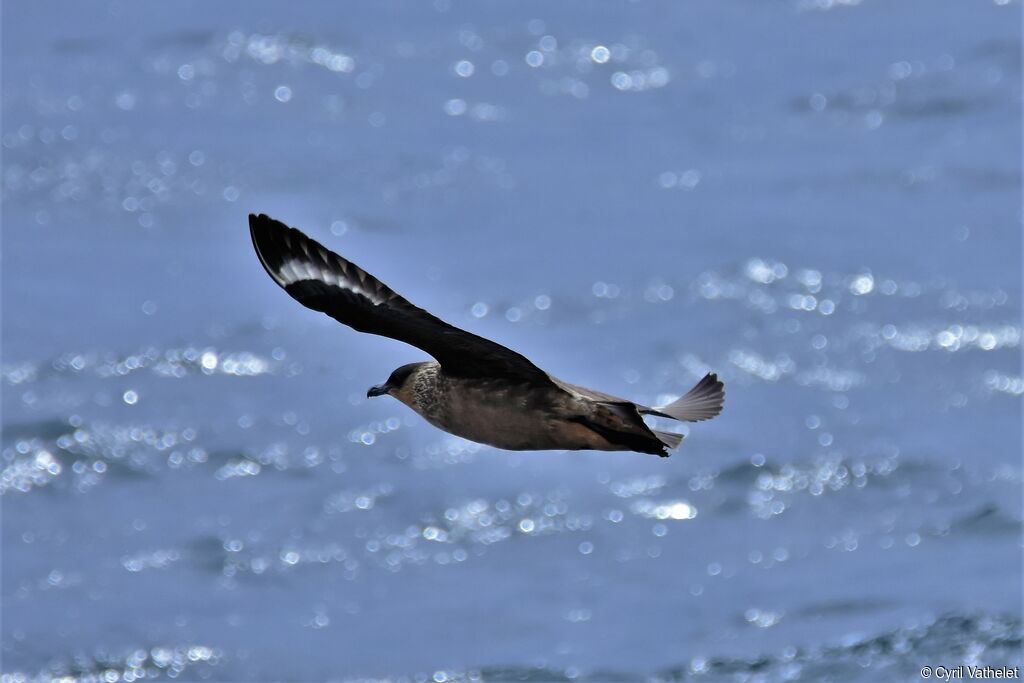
[
  {"x": 106, "y": 667},
  {"x": 969, "y": 639},
  {"x": 172, "y": 362}
]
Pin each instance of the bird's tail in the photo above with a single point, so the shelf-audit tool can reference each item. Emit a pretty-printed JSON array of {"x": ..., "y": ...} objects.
[
  {"x": 670, "y": 439},
  {"x": 703, "y": 402}
]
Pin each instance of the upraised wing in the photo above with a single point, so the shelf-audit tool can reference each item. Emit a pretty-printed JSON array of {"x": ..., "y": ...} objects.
[{"x": 319, "y": 279}]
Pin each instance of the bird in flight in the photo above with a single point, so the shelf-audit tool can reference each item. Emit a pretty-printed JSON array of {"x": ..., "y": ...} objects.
[{"x": 474, "y": 387}]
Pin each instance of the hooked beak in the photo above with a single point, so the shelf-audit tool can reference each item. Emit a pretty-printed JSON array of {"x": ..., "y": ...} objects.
[{"x": 379, "y": 390}]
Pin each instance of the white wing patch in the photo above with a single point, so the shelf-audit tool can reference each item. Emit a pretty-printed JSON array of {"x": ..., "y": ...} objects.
[{"x": 296, "y": 270}]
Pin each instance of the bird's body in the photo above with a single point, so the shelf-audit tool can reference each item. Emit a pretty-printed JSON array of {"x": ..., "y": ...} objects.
[
  {"x": 509, "y": 415},
  {"x": 476, "y": 389}
]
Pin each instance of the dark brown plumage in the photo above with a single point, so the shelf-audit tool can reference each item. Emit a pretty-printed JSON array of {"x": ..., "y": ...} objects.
[{"x": 476, "y": 389}]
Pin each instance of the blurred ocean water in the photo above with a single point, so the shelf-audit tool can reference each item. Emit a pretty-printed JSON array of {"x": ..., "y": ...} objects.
[{"x": 818, "y": 199}]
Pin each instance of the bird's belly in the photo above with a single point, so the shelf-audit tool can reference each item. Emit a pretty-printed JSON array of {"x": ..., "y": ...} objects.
[
  {"x": 502, "y": 421},
  {"x": 511, "y": 429}
]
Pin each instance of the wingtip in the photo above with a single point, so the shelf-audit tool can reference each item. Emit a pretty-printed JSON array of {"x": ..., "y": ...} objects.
[
  {"x": 257, "y": 219},
  {"x": 254, "y": 222},
  {"x": 260, "y": 226}
]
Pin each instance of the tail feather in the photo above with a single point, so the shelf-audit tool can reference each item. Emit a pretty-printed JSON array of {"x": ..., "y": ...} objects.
[
  {"x": 670, "y": 439},
  {"x": 703, "y": 402}
]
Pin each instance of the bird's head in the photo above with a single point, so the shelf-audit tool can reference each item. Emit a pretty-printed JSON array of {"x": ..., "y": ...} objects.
[{"x": 399, "y": 384}]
